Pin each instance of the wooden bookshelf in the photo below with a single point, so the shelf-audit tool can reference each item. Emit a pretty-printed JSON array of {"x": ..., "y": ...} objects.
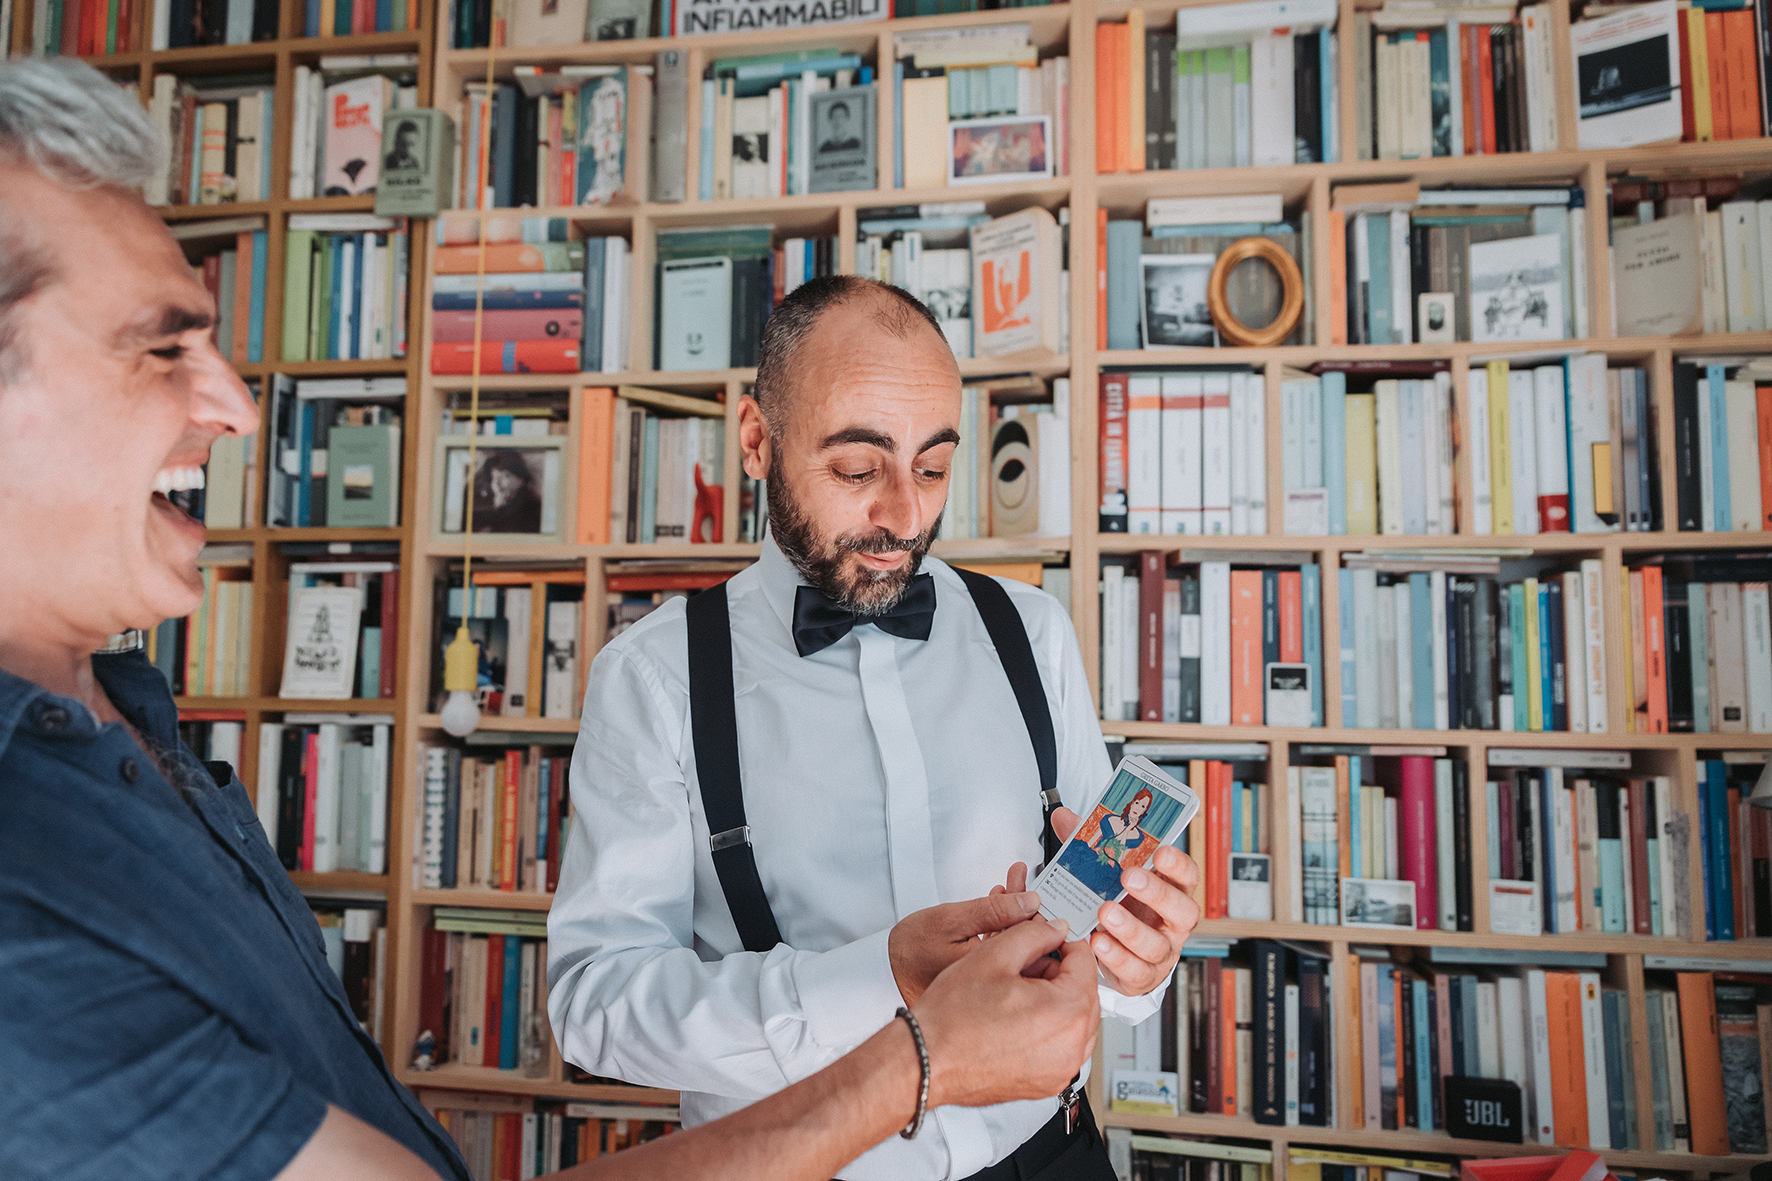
[{"x": 1070, "y": 29}]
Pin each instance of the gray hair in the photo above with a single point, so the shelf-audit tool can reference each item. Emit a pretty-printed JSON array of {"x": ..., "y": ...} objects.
[
  {"x": 899, "y": 312},
  {"x": 82, "y": 131}
]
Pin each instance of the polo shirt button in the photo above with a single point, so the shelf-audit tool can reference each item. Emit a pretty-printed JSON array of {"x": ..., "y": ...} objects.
[
  {"x": 52, "y": 719},
  {"x": 130, "y": 770}
]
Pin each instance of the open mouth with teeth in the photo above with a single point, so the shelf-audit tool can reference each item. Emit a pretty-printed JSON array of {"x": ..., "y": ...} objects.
[{"x": 172, "y": 480}]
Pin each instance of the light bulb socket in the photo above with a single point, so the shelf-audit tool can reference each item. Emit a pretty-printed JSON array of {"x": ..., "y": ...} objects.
[{"x": 461, "y": 663}]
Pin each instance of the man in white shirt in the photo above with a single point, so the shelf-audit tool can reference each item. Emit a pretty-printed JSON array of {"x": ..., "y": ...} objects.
[{"x": 885, "y": 760}]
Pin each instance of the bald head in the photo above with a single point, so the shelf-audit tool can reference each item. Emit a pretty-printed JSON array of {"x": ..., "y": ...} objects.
[{"x": 846, "y": 309}]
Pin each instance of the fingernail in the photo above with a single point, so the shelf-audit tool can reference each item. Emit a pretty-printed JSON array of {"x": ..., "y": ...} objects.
[
  {"x": 1030, "y": 902},
  {"x": 1136, "y": 879},
  {"x": 1115, "y": 918},
  {"x": 1064, "y": 928}
]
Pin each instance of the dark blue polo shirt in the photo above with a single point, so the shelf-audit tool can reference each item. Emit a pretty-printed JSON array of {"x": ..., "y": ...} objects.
[{"x": 165, "y": 1006}]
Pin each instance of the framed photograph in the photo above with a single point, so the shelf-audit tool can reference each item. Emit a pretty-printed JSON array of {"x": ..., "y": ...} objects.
[
  {"x": 1378, "y": 902},
  {"x": 1434, "y": 315},
  {"x": 1000, "y": 149},
  {"x": 1251, "y": 894},
  {"x": 515, "y": 486},
  {"x": 843, "y": 140},
  {"x": 1174, "y": 308},
  {"x": 320, "y": 649}
]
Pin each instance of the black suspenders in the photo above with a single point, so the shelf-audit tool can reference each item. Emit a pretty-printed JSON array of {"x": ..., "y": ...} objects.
[{"x": 714, "y": 726}]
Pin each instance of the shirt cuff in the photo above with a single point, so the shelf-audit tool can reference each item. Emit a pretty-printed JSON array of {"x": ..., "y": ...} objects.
[
  {"x": 1132, "y": 1009},
  {"x": 848, "y": 993}
]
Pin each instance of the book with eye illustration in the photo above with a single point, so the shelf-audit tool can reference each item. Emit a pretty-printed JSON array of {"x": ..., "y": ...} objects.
[{"x": 1142, "y": 810}]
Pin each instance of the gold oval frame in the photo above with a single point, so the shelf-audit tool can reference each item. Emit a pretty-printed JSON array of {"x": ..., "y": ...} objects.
[{"x": 1291, "y": 284}]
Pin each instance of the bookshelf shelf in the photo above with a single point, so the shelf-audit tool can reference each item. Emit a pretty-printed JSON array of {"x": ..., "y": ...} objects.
[
  {"x": 1483, "y": 739},
  {"x": 343, "y": 880},
  {"x": 488, "y": 899},
  {"x": 514, "y": 725},
  {"x": 1331, "y": 547},
  {"x": 1741, "y": 949},
  {"x": 1471, "y": 352}
]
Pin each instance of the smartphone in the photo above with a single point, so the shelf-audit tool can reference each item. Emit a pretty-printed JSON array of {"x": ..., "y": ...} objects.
[{"x": 1142, "y": 810}]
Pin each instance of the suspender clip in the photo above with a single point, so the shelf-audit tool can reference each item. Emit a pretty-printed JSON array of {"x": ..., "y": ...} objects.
[
  {"x": 730, "y": 838},
  {"x": 1050, "y": 795}
]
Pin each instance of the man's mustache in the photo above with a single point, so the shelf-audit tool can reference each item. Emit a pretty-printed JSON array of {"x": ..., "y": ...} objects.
[{"x": 883, "y": 542}]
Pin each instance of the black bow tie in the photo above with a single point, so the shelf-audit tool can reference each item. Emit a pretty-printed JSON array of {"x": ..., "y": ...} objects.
[{"x": 819, "y": 623}]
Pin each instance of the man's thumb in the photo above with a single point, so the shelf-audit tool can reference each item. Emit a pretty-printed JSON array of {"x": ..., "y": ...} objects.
[
  {"x": 995, "y": 912},
  {"x": 1065, "y": 822}
]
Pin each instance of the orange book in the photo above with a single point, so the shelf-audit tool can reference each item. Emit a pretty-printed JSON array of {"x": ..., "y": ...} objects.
[
  {"x": 506, "y": 356},
  {"x": 1122, "y": 96},
  {"x": 1704, "y": 1064},
  {"x": 1101, "y": 220},
  {"x": 1227, "y": 1039},
  {"x": 1338, "y": 269},
  {"x": 1722, "y": 126},
  {"x": 1246, "y": 703},
  {"x": 1291, "y": 617},
  {"x": 1344, "y": 830},
  {"x": 502, "y": 258},
  {"x": 1218, "y": 839},
  {"x": 507, "y": 829},
  {"x": 596, "y": 441},
  {"x": 1764, "y": 396},
  {"x": 1198, "y": 843},
  {"x": 1562, "y": 992},
  {"x": 1105, "y": 45},
  {"x": 1744, "y": 73},
  {"x": 1654, "y": 650},
  {"x": 1486, "y": 83}
]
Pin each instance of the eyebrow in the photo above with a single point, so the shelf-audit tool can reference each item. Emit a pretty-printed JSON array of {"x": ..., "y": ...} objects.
[
  {"x": 174, "y": 320},
  {"x": 885, "y": 442}
]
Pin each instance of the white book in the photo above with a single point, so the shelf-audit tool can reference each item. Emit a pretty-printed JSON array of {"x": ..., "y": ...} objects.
[
  {"x": 1255, "y": 421},
  {"x": 1402, "y": 314},
  {"x": 1129, "y": 646},
  {"x": 1055, "y": 470},
  {"x": 1215, "y": 463},
  {"x": 1271, "y": 108},
  {"x": 1744, "y": 456},
  {"x": 1476, "y": 437},
  {"x": 1312, "y": 395},
  {"x": 1144, "y": 453},
  {"x": 1593, "y": 1047},
  {"x": 1112, "y": 628},
  {"x": 1590, "y": 430},
  {"x": 1291, "y": 1055},
  {"x": 1510, "y": 1003},
  {"x": 1445, "y": 865},
  {"x": 1239, "y": 455},
  {"x": 1442, "y": 672},
  {"x": 1676, "y": 1065},
  {"x": 1713, "y": 285},
  {"x": 1575, "y": 653},
  {"x": 1578, "y": 274},
  {"x": 1147, "y": 1045},
  {"x": 1388, "y": 713},
  {"x": 1295, "y": 839},
  {"x": 561, "y": 684},
  {"x": 433, "y": 759},
  {"x": 1215, "y": 643},
  {"x": 1183, "y": 394},
  {"x": 1538, "y": 1014},
  {"x": 1390, "y": 457},
  {"x": 349, "y": 845},
  {"x": 615, "y": 304},
  {"x": 1563, "y": 830},
  {"x": 1192, "y": 211},
  {"x": 1405, "y": 654},
  {"x": 1292, "y": 436},
  {"x": 1172, "y": 648},
  {"x": 270, "y": 746},
  {"x": 1365, "y": 647},
  {"x": 1488, "y": 1030},
  {"x": 1551, "y": 437},
  {"x": 1741, "y": 267},
  {"x": 1756, "y": 626},
  {"x": 1639, "y": 111},
  {"x": 1523, "y": 449},
  {"x": 326, "y": 800},
  {"x": 1443, "y": 459},
  {"x": 1763, "y": 213}
]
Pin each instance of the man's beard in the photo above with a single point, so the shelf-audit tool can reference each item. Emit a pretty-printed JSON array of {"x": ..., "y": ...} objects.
[{"x": 822, "y": 563}]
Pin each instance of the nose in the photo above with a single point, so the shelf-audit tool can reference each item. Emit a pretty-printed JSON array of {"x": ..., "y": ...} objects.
[
  {"x": 219, "y": 399},
  {"x": 897, "y": 508}
]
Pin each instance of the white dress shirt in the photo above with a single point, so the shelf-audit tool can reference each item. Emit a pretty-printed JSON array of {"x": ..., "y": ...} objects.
[{"x": 881, "y": 776}]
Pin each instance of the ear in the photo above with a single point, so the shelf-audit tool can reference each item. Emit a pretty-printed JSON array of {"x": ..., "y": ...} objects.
[{"x": 754, "y": 444}]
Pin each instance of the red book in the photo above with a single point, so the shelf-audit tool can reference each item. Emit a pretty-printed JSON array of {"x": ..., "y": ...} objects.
[
  {"x": 1465, "y": 92},
  {"x": 71, "y": 27},
  {"x": 1416, "y": 834},
  {"x": 509, "y": 324},
  {"x": 1113, "y": 452},
  {"x": 1486, "y": 86},
  {"x": 1150, "y": 635},
  {"x": 1291, "y": 617},
  {"x": 1246, "y": 648},
  {"x": 1637, "y": 853},
  {"x": 1221, "y": 853},
  {"x": 1218, "y": 836},
  {"x": 310, "y": 775},
  {"x": 507, "y": 833},
  {"x": 495, "y": 995},
  {"x": 92, "y": 27},
  {"x": 652, "y": 582},
  {"x": 390, "y": 630},
  {"x": 433, "y": 988},
  {"x": 1688, "y": 126},
  {"x": 506, "y": 356},
  {"x": 1717, "y": 57},
  {"x": 1654, "y": 649},
  {"x": 125, "y": 23},
  {"x": 1514, "y": 1168},
  {"x": 1227, "y": 1016}
]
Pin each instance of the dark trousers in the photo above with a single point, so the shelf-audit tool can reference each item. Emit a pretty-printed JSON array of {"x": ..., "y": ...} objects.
[{"x": 1051, "y": 1155}]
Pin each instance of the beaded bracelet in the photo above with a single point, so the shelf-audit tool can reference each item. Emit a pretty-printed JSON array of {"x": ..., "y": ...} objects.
[{"x": 916, "y": 1125}]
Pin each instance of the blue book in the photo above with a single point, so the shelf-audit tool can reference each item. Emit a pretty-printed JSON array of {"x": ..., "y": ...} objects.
[
  {"x": 1378, "y": 285},
  {"x": 1467, "y": 1026},
  {"x": 709, "y": 93},
  {"x": 760, "y": 77},
  {"x": 1719, "y": 449},
  {"x": 1492, "y": 793},
  {"x": 384, "y": 16},
  {"x": 1327, "y": 104},
  {"x": 898, "y": 124},
  {"x": 541, "y": 819},
  {"x": 305, "y": 446},
  {"x": 341, "y": 20},
  {"x": 1721, "y": 862},
  {"x": 649, "y": 480},
  {"x": 1611, "y": 858},
  {"x": 1125, "y": 289},
  {"x": 1439, "y": 93},
  {"x": 1547, "y": 812},
  {"x": 1516, "y": 626},
  {"x": 1225, "y": 229},
  {"x": 1424, "y": 1063},
  {"x": 255, "y": 321},
  {"x": 1355, "y": 826},
  {"x": 591, "y": 348},
  {"x": 1704, "y": 843},
  {"x": 1546, "y": 674},
  {"x": 1335, "y": 449},
  {"x": 311, "y": 25},
  {"x": 1311, "y": 596},
  {"x": 510, "y": 1006},
  {"x": 1616, "y": 1078},
  {"x": 501, "y": 424},
  {"x": 513, "y": 301},
  {"x": 1421, "y": 623},
  {"x": 369, "y": 663},
  {"x": 1349, "y": 682},
  {"x": 264, "y": 137},
  {"x": 1698, "y": 628},
  {"x": 360, "y": 244}
]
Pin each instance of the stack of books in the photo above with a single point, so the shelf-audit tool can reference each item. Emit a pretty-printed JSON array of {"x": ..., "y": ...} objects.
[
  {"x": 341, "y": 18},
  {"x": 531, "y": 315},
  {"x": 653, "y": 470},
  {"x": 343, "y": 628},
  {"x": 1700, "y": 645},
  {"x": 483, "y": 991},
  {"x": 783, "y": 124},
  {"x": 234, "y": 276},
  {"x": 1723, "y": 443},
  {"x": 1183, "y": 453},
  {"x": 925, "y": 250},
  {"x": 356, "y": 942},
  {"x": 713, "y": 290},
  {"x": 338, "y": 443},
  {"x": 344, "y": 287},
  {"x": 553, "y": 138},
  {"x": 89, "y": 28},
  {"x": 526, "y": 623},
  {"x": 638, "y": 588},
  {"x": 1723, "y": 60},
  {"x": 1708, "y": 1034},
  {"x": 517, "y": 1136},
  {"x": 495, "y": 820},
  {"x": 209, "y": 652},
  {"x": 220, "y": 139},
  {"x": 1709, "y": 257},
  {"x": 323, "y": 791},
  {"x": 335, "y": 148},
  {"x": 213, "y": 735}
]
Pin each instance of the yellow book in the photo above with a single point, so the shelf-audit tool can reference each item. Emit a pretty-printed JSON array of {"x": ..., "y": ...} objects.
[
  {"x": 1534, "y": 686},
  {"x": 1702, "y": 127},
  {"x": 328, "y": 17},
  {"x": 1135, "y": 90},
  {"x": 196, "y": 630},
  {"x": 1388, "y": 428},
  {"x": 1362, "y": 464},
  {"x": 1501, "y": 463}
]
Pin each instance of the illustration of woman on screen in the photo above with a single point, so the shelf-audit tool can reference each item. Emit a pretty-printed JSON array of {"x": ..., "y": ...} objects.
[
  {"x": 1119, "y": 835},
  {"x": 1096, "y": 859}
]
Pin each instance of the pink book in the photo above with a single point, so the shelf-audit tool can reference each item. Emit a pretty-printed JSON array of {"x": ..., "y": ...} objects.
[
  {"x": 352, "y": 122},
  {"x": 1415, "y": 835}
]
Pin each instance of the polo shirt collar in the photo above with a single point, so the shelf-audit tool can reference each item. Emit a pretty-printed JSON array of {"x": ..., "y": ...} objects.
[{"x": 134, "y": 685}]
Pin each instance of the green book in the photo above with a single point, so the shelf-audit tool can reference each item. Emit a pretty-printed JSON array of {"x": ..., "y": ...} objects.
[
  {"x": 298, "y": 277},
  {"x": 320, "y": 299},
  {"x": 363, "y": 476},
  {"x": 111, "y": 27}
]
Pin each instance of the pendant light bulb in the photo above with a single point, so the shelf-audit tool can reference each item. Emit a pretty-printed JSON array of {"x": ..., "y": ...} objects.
[{"x": 461, "y": 670}]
